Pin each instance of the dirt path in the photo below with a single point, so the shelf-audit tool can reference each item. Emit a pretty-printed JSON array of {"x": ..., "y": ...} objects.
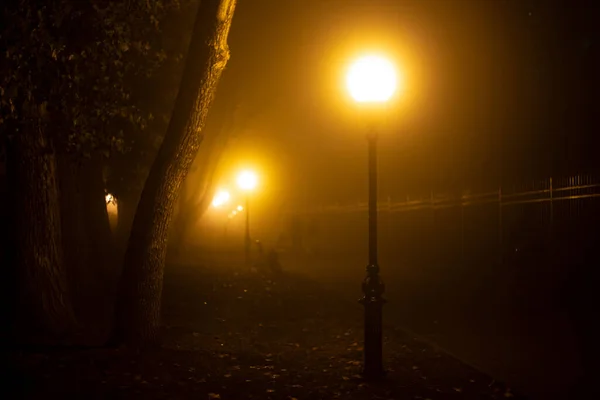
[{"x": 236, "y": 335}]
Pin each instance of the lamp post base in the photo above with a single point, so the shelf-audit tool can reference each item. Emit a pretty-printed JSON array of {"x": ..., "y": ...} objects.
[{"x": 373, "y": 302}]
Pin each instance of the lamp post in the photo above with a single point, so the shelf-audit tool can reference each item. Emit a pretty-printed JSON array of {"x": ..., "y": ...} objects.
[
  {"x": 247, "y": 181},
  {"x": 221, "y": 198},
  {"x": 371, "y": 81}
]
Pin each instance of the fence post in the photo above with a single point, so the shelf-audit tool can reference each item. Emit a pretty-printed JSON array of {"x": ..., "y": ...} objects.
[
  {"x": 500, "y": 227},
  {"x": 389, "y": 217},
  {"x": 551, "y": 205},
  {"x": 462, "y": 229}
]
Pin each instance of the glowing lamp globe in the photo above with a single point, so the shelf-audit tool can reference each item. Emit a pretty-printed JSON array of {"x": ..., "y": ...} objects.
[
  {"x": 372, "y": 79},
  {"x": 247, "y": 180},
  {"x": 221, "y": 197}
]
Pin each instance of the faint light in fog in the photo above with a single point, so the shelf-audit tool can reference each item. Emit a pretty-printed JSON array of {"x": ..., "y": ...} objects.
[
  {"x": 240, "y": 208},
  {"x": 221, "y": 197}
]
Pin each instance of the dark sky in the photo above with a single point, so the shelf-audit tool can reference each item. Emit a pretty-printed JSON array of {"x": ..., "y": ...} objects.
[{"x": 495, "y": 90}]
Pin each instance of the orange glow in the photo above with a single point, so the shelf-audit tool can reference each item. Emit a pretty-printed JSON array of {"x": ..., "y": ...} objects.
[
  {"x": 247, "y": 180},
  {"x": 221, "y": 197},
  {"x": 372, "y": 79}
]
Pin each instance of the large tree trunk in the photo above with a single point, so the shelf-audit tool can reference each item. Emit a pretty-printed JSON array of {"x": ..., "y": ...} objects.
[
  {"x": 44, "y": 314},
  {"x": 103, "y": 266},
  {"x": 127, "y": 204},
  {"x": 188, "y": 212},
  {"x": 140, "y": 298},
  {"x": 96, "y": 218},
  {"x": 87, "y": 244},
  {"x": 76, "y": 251},
  {"x": 193, "y": 205}
]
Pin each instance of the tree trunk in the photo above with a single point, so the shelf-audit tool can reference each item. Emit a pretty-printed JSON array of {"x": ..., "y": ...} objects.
[
  {"x": 139, "y": 307},
  {"x": 192, "y": 207},
  {"x": 87, "y": 245},
  {"x": 126, "y": 205},
  {"x": 75, "y": 246},
  {"x": 45, "y": 315},
  {"x": 98, "y": 230},
  {"x": 187, "y": 213},
  {"x": 103, "y": 268}
]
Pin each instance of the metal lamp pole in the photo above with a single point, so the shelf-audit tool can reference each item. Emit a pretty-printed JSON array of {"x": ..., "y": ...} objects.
[
  {"x": 372, "y": 285},
  {"x": 247, "y": 242}
]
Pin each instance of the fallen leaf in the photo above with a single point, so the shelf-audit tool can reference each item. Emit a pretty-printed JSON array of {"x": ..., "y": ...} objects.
[
  {"x": 227, "y": 375},
  {"x": 458, "y": 390},
  {"x": 214, "y": 396},
  {"x": 270, "y": 390},
  {"x": 345, "y": 378}
]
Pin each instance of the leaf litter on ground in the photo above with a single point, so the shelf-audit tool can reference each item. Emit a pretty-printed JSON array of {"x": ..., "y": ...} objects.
[{"x": 295, "y": 341}]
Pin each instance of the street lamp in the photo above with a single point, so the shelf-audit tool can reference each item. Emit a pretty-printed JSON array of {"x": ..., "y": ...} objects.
[
  {"x": 247, "y": 181},
  {"x": 221, "y": 197},
  {"x": 371, "y": 80}
]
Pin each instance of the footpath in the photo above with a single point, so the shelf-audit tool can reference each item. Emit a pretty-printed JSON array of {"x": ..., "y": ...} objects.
[{"x": 235, "y": 334}]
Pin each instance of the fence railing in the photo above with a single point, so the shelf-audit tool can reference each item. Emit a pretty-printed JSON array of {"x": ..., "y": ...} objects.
[{"x": 547, "y": 191}]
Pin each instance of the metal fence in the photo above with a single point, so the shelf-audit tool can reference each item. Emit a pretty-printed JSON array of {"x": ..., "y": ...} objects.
[
  {"x": 544, "y": 191},
  {"x": 467, "y": 224}
]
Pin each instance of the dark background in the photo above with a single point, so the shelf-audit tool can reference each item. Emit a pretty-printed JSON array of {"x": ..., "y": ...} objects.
[{"x": 497, "y": 90}]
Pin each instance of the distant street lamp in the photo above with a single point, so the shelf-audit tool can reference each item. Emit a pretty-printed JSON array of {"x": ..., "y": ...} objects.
[
  {"x": 221, "y": 197},
  {"x": 372, "y": 81},
  {"x": 247, "y": 181}
]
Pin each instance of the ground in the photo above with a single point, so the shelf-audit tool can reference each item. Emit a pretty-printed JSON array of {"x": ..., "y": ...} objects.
[{"x": 233, "y": 334}]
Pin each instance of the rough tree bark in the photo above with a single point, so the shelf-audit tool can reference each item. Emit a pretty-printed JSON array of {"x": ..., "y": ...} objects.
[
  {"x": 193, "y": 203},
  {"x": 96, "y": 216},
  {"x": 76, "y": 252},
  {"x": 45, "y": 315},
  {"x": 192, "y": 206},
  {"x": 138, "y": 308},
  {"x": 87, "y": 244},
  {"x": 127, "y": 204}
]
